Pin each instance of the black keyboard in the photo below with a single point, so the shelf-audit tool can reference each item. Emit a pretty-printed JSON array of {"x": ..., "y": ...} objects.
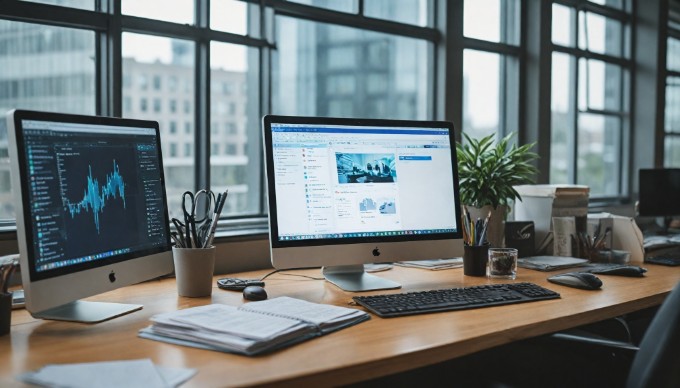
[{"x": 410, "y": 303}]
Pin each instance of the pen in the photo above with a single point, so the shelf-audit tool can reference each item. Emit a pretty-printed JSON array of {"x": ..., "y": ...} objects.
[
  {"x": 216, "y": 216},
  {"x": 485, "y": 228}
]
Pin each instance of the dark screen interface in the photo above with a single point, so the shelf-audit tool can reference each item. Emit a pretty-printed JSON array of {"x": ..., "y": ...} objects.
[{"x": 95, "y": 192}]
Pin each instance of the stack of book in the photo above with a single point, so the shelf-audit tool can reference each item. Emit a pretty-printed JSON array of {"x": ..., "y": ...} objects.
[
  {"x": 434, "y": 264},
  {"x": 253, "y": 328}
]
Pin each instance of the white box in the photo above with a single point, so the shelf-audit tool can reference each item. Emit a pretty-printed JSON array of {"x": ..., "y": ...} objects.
[
  {"x": 626, "y": 235},
  {"x": 540, "y": 203}
]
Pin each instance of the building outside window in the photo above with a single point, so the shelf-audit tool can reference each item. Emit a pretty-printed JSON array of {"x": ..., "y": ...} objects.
[
  {"x": 590, "y": 85},
  {"x": 491, "y": 67},
  {"x": 671, "y": 147},
  {"x": 351, "y": 58}
]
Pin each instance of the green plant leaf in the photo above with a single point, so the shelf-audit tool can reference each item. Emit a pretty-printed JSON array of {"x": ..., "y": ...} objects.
[{"x": 488, "y": 172}]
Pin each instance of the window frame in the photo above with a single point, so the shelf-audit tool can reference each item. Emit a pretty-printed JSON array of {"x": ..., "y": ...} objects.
[
  {"x": 626, "y": 108},
  {"x": 109, "y": 24}
]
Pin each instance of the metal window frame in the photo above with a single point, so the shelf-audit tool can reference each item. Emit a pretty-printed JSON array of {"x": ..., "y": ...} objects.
[
  {"x": 108, "y": 22},
  {"x": 625, "y": 106}
]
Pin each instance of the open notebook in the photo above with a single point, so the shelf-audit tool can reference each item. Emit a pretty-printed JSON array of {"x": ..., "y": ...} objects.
[{"x": 253, "y": 328}]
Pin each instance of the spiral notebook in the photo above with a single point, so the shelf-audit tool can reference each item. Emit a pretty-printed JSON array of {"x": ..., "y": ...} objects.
[{"x": 253, "y": 328}]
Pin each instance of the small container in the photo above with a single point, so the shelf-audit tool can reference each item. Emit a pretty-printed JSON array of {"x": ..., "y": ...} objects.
[
  {"x": 194, "y": 271},
  {"x": 502, "y": 263},
  {"x": 474, "y": 259},
  {"x": 5, "y": 312}
]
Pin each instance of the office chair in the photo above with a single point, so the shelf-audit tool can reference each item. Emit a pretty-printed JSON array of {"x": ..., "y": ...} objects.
[
  {"x": 565, "y": 360},
  {"x": 656, "y": 362}
]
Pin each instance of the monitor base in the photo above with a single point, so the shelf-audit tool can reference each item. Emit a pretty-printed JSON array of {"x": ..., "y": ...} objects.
[
  {"x": 353, "y": 278},
  {"x": 87, "y": 312}
]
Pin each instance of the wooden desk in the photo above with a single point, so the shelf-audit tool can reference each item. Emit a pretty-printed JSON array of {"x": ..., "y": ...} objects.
[{"x": 371, "y": 349}]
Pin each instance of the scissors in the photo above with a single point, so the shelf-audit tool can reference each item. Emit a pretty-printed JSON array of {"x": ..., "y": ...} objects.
[{"x": 190, "y": 214}]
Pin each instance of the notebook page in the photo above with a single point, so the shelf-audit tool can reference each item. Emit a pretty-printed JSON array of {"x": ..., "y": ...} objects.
[{"x": 315, "y": 313}]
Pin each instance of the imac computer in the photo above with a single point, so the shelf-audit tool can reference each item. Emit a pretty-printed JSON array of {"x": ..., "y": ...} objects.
[
  {"x": 659, "y": 194},
  {"x": 347, "y": 192},
  {"x": 91, "y": 210}
]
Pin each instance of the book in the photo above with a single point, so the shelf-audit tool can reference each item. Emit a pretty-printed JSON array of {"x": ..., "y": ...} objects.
[
  {"x": 564, "y": 228},
  {"x": 253, "y": 328},
  {"x": 433, "y": 264},
  {"x": 540, "y": 203},
  {"x": 550, "y": 263}
]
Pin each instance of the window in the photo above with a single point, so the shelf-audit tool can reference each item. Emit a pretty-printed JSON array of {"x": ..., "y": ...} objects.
[
  {"x": 334, "y": 71},
  {"x": 590, "y": 113},
  {"x": 168, "y": 56},
  {"x": 671, "y": 147},
  {"x": 43, "y": 68},
  {"x": 208, "y": 82},
  {"x": 491, "y": 67}
]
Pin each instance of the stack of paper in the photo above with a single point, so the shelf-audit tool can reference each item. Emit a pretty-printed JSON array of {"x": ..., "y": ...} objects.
[
  {"x": 254, "y": 328},
  {"x": 131, "y": 373},
  {"x": 434, "y": 264},
  {"x": 663, "y": 241},
  {"x": 550, "y": 263}
]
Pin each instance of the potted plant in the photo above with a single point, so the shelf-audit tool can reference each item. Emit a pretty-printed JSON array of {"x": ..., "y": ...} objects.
[{"x": 487, "y": 174}]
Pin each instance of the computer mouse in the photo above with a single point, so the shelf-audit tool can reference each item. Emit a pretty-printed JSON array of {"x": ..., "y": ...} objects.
[
  {"x": 583, "y": 280},
  {"x": 254, "y": 293}
]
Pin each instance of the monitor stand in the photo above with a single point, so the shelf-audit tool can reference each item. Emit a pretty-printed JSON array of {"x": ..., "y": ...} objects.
[
  {"x": 87, "y": 312},
  {"x": 353, "y": 278}
]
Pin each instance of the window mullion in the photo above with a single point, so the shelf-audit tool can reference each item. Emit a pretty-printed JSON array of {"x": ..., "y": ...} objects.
[{"x": 202, "y": 99}]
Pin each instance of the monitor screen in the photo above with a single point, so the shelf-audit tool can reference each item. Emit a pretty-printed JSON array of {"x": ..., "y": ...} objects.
[
  {"x": 350, "y": 191},
  {"x": 90, "y": 196},
  {"x": 659, "y": 192}
]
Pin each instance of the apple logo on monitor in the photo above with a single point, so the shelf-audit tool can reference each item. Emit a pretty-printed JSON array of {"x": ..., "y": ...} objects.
[
  {"x": 376, "y": 252},
  {"x": 112, "y": 277}
]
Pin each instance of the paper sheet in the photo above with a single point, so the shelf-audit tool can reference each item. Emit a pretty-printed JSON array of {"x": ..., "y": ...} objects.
[{"x": 129, "y": 373}]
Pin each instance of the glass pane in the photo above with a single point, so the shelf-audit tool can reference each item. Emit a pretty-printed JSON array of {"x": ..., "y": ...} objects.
[
  {"x": 673, "y": 58},
  {"x": 672, "y": 151},
  {"x": 234, "y": 163},
  {"x": 672, "y": 111},
  {"x": 599, "y": 85},
  {"x": 408, "y": 11},
  {"x": 562, "y": 111},
  {"x": 330, "y": 70},
  {"x": 481, "y": 93},
  {"x": 598, "y": 144},
  {"x": 161, "y": 73},
  {"x": 336, "y": 5},
  {"x": 562, "y": 22},
  {"x": 229, "y": 16},
  {"x": 600, "y": 34},
  {"x": 610, "y": 3},
  {"x": 492, "y": 20},
  {"x": 42, "y": 68},
  {"x": 177, "y": 11},
  {"x": 82, "y": 4}
]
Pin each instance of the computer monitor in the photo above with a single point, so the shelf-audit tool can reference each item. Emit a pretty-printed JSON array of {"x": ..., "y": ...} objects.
[
  {"x": 91, "y": 210},
  {"x": 659, "y": 193},
  {"x": 345, "y": 192}
]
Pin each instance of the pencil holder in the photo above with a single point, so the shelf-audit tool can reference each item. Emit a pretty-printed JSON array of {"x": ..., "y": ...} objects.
[
  {"x": 5, "y": 312},
  {"x": 194, "y": 271},
  {"x": 474, "y": 259}
]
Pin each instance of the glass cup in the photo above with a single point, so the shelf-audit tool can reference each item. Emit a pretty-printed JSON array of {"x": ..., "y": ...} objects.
[{"x": 502, "y": 263}]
